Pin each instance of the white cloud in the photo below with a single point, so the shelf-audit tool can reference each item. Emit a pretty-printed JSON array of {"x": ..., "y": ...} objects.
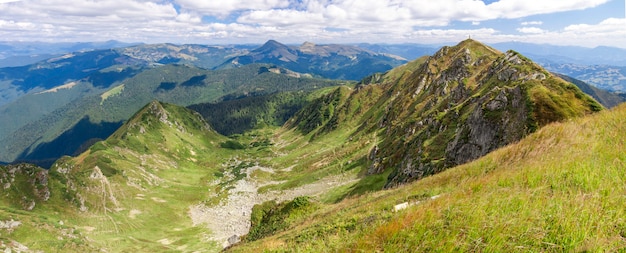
[
  {"x": 293, "y": 21},
  {"x": 609, "y": 32},
  {"x": 530, "y": 30},
  {"x": 531, "y": 23},
  {"x": 448, "y": 35},
  {"x": 611, "y": 24}
]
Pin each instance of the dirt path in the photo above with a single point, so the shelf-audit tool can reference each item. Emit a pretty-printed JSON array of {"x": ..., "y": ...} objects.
[{"x": 231, "y": 218}]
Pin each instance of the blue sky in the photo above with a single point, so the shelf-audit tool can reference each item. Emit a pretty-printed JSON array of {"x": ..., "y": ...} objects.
[{"x": 587, "y": 23}]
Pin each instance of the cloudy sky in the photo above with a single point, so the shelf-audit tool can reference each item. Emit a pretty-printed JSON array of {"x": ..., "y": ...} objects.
[{"x": 562, "y": 22}]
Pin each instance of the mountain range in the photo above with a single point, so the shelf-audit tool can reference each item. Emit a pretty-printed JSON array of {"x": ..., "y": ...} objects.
[
  {"x": 464, "y": 139},
  {"x": 54, "y": 93},
  {"x": 329, "y": 61},
  {"x": 64, "y": 93},
  {"x": 15, "y": 54}
]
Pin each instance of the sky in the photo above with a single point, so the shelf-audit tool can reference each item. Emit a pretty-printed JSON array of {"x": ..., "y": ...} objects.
[{"x": 588, "y": 23}]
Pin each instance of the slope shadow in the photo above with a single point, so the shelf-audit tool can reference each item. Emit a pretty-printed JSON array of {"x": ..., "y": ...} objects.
[{"x": 72, "y": 142}]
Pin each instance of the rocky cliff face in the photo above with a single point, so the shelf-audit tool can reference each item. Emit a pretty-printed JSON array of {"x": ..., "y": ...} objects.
[{"x": 464, "y": 102}]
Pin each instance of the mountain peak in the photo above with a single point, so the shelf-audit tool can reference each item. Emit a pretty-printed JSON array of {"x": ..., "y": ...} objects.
[
  {"x": 156, "y": 115},
  {"x": 271, "y": 45},
  {"x": 275, "y": 49},
  {"x": 307, "y": 44},
  {"x": 470, "y": 47},
  {"x": 457, "y": 105}
]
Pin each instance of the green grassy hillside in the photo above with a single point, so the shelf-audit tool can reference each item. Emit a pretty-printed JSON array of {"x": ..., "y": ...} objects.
[
  {"x": 240, "y": 115},
  {"x": 179, "y": 84},
  {"x": 557, "y": 190},
  {"x": 453, "y": 107},
  {"x": 167, "y": 181},
  {"x": 130, "y": 191}
]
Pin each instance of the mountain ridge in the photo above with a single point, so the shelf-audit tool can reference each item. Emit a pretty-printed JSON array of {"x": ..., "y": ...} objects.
[
  {"x": 453, "y": 107},
  {"x": 328, "y": 61},
  {"x": 408, "y": 124}
]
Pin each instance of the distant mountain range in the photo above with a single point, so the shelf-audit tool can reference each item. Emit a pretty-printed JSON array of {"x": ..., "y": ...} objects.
[
  {"x": 328, "y": 61},
  {"x": 606, "y": 77},
  {"x": 568, "y": 54},
  {"x": 13, "y": 54}
]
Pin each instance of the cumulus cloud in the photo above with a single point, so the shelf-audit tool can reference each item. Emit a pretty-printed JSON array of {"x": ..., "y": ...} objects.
[
  {"x": 532, "y": 23},
  {"x": 238, "y": 21},
  {"x": 530, "y": 30},
  {"x": 609, "y": 32},
  {"x": 611, "y": 24}
]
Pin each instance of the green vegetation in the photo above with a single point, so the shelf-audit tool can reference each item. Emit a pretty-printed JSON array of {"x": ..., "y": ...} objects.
[
  {"x": 240, "y": 115},
  {"x": 179, "y": 84},
  {"x": 554, "y": 191},
  {"x": 159, "y": 181},
  {"x": 232, "y": 144},
  {"x": 271, "y": 217},
  {"x": 607, "y": 99},
  {"x": 112, "y": 92}
]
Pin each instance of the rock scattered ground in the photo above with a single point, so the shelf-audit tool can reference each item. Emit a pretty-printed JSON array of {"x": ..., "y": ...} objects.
[{"x": 230, "y": 219}]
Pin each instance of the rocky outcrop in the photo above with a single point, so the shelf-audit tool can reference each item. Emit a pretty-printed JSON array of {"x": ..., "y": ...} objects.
[
  {"x": 26, "y": 184},
  {"x": 462, "y": 103}
]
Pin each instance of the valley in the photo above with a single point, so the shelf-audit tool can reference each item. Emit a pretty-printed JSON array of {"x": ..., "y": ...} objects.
[{"x": 473, "y": 142}]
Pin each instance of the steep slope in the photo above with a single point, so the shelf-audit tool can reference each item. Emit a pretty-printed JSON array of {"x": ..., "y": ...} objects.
[
  {"x": 237, "y": 116},
  {"x": 553, "y": 191},
  {"x": 328, "y": 61},
  {"x": 32, "y": 213},
  {"x": 135, "y": 188},
  {"x": 98, "y": 115},
  {"x": 462, "y": 103}
]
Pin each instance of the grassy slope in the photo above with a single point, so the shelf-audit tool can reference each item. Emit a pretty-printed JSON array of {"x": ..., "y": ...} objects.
[
  {"x": 152, "y": 180},
  {"x": 559, "y": 189},
  {"x": 134, "y": 189}
]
